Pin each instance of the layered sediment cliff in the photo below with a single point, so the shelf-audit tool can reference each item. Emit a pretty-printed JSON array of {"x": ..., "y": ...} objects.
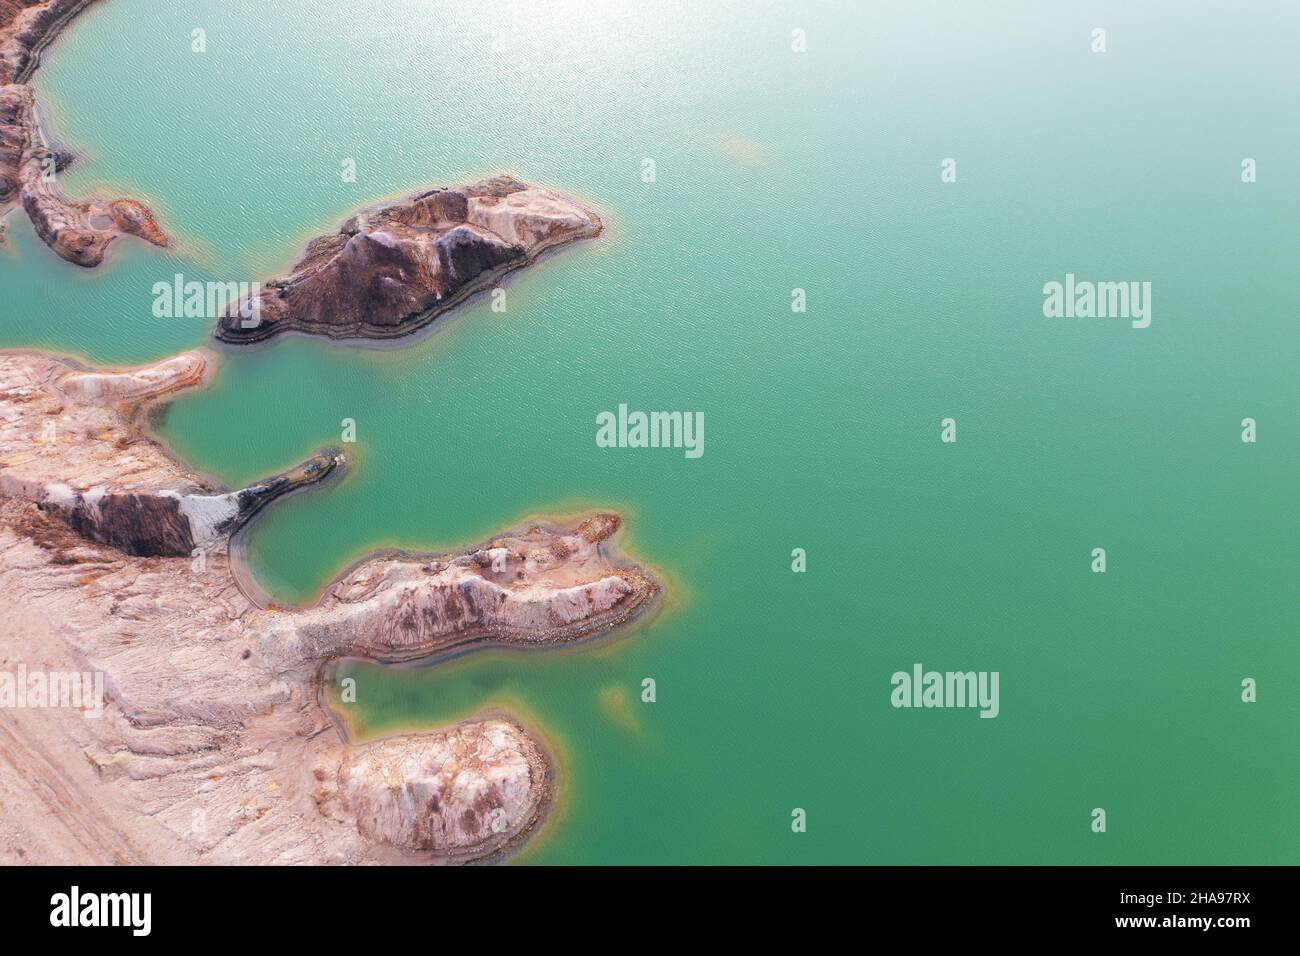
[
  {"x": 158, "y": 510},
  {"x": 390, "y": 270},
  {"x": 424, "y": 792},
  {"x": 541, "y": 585},
  {"x": 211, "y": 732},
  {"x": 26, "y": 28},
  {"x": 79, "y": 231}
]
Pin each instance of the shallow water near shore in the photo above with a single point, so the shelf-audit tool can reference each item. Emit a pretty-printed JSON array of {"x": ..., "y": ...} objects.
[{"x": 774, "y": 170}]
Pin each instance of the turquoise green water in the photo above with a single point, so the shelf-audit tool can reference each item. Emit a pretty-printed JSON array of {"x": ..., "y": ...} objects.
[{"x": 777, "y": 170}]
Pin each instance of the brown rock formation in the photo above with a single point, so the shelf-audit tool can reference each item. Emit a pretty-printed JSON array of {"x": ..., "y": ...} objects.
[
  {"x": 78, "y": 231},
  {"x": 26, "y": 28},
  {"x": 541, "y": 585},
  {"x": 390, "y": 270},
  {"x": 210, "y": 730},
  {"x": 159, "y": 510},
  {"x": 422, "y": 793}
]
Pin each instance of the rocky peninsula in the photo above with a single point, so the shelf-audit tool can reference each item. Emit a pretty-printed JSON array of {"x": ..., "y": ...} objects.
[
  {"x": 79, "y": 231},
  {"x": 157, "y": 510},
  {"x": 211, "y": 730},
  {"x": 392, "y": 269},
  {"x": 537, "y": 586}
]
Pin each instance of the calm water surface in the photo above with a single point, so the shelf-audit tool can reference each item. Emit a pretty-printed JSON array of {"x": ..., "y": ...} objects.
[{"x": 776, "y": 171}]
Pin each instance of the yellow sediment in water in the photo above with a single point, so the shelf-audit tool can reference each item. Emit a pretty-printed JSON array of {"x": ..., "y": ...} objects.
[{"x": 616, "y": 702}]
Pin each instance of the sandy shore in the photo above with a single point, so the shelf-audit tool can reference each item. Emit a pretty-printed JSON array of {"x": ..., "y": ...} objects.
[{"x": 212, "y": 745}]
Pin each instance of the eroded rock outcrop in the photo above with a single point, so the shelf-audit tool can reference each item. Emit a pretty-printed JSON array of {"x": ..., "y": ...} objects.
[
  {"x": 79, "y": 231},
  {"x": 159, "y": 509},
  {"x": 423, "y": 793},
  {"x": 541, "y": 585},
  {"x": 211, "y": 733},
  {"x": 390, "y": 270}
]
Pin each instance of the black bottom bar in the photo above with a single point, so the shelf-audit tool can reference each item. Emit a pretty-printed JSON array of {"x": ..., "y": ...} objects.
[{"x": 332, "y": 905}]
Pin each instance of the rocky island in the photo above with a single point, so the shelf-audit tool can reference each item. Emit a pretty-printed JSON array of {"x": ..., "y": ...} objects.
[
  {"x": 79, "y": 231},
  {"x": 390, "y": 270},
  {"x": 210, "y": 727}
]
